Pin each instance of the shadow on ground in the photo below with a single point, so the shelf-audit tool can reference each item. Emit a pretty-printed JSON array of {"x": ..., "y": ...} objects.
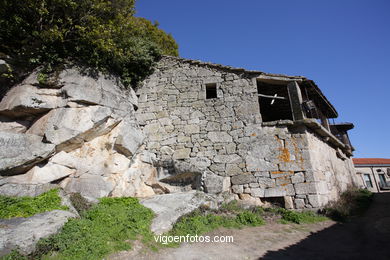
[{"x": 366, "y": 237}]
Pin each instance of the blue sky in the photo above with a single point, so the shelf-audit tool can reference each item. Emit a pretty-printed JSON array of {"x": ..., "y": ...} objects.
[{"x": 344, "y": 46}]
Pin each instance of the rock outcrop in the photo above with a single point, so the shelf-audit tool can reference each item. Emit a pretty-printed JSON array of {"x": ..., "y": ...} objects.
[
  {"x": 76, "y": 131},
  {"x": 170, "y": 207},
  {"x": 19, "y": 152},
  {"x": 13, "y": 233}
]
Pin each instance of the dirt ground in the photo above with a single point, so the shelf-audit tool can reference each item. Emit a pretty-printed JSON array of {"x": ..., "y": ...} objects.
[{"x": 366, "y": 237}]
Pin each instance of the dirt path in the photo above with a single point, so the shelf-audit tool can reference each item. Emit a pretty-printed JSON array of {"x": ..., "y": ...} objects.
[{"x": 367, "y": 237}]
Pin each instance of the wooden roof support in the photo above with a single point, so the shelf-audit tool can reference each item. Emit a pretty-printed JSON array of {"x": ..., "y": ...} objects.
[{"x": 295, "y": 95}]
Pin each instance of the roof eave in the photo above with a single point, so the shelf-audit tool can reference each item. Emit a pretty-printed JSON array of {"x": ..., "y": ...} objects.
[
  {"x": 372, "y": 165},
  {"x": 330, "y": 110}
]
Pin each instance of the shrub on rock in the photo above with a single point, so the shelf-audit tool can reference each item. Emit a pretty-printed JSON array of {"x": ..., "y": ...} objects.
[{"x": 100, "y": 34}]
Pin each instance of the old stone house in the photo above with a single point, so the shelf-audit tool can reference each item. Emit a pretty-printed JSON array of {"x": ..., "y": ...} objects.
[{"x": 260, "y": 136}]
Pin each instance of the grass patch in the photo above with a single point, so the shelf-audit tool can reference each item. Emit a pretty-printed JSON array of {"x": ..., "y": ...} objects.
[
  {"x": 105, "y": 228},
  {"x": 290, "y": 216},
  {"x": 198, "y": 223},
  {"x": 11, "y": 207},
  {"x": 232, "y": 215},
  {"x": 204, "y": 220},
  {"x": 14, "y": 255},
  {"x": 304, "y": 217},
  {"x": 353, "y": 202},
  {"x": 109, "y": 226}
]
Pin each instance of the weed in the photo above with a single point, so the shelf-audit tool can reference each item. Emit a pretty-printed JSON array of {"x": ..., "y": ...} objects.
[
  {"x": 196, "y": 224},
  {"x": 103, "y": 229},
  {"x": 230, "y": 215},
  {"x": 353, "y": 202},
  {"x": 11, "y": 207},
  {"x": 107, "y": 227},
  {"x": 300, "y": 217},
  {"x": 14, "y": 255},
  {"x": 248, "y": 218},
  {"x": 42, "y": 78},
  {"x": 80, "y": 203},
  {"x": 232, "y": 206}
]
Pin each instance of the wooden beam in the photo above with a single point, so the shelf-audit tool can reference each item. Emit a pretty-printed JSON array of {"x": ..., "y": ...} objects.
[
  {"x": 294, "y": 92},
  {"x": 272, "y": 97}
]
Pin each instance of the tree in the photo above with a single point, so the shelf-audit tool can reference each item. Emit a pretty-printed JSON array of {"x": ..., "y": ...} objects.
[{"x": 103, "y": 35}]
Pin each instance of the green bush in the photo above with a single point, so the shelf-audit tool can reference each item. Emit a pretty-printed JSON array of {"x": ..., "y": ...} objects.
[
  {"x": 100, "y": 34},
  {"x": 11, "y": 207},
  {"x": 103, "y": 229},
  {"x": 352, "y": 202},
  {"x": 248, "y": 218}
]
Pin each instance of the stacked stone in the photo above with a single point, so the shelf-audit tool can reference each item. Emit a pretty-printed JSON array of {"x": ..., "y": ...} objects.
[
  {"x": 223, "y": 137},
  {"x": 199, "y": 134}
]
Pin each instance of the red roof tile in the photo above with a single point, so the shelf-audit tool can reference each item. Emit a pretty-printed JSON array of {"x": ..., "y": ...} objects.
[{"x": 370, "y": 161}]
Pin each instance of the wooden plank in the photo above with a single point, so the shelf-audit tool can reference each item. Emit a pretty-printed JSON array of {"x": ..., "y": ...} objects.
[{"x": 272, "y": 97}]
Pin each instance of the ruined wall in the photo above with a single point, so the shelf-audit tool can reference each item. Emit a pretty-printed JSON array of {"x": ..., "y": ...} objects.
[
  {"x": 332, "y": 173},
  {"x": 276, "y": 160},
  {"x": 191, "y": 132},
  {"x": 292, "y": 162},
  {"x": 225, "y": 141}
]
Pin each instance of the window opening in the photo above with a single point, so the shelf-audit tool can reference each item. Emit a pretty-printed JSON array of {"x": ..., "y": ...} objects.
[
  {"x": 274, "y": 102},
  {"x": 211, "y": 90},
  {"x": 367, "y": 180},
  {"x": 382, "y": 180}
]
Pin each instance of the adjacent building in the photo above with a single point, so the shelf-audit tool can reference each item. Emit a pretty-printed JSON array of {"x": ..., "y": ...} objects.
[
  {"x": 374, "y": 173},
  {"x": 257, "y": 135}
]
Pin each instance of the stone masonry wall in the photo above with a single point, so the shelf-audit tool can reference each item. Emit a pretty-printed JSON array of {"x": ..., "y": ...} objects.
[
  {"x": 224, "y": 140},
  {"x": 195, "y": 133},
  {"x": 331, "y": 174}
]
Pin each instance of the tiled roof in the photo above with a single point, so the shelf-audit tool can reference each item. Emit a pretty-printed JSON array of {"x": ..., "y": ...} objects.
[{"x": 359, "y": 161}]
